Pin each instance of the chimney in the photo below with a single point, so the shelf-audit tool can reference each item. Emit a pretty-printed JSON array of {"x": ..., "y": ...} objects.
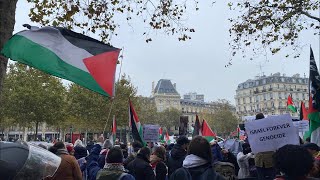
[
  {"x": 175, "y": 86},
  {"x": 152, "y": 90}
]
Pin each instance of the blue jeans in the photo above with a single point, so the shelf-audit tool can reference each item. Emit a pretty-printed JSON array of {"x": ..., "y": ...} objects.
[{"x": 266, "y": 173}]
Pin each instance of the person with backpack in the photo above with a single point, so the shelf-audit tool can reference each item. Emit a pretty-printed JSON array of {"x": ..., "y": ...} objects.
[
  {"x": 157, "y": 163},
  {"x": 198, "y": 163},
  {"x": 140, "y": 167},
  {"x": 113, "y": 168}
]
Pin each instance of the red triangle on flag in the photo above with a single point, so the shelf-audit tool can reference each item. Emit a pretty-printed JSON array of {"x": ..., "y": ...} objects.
[
  {"x": 206, "y": 130},
  {"x": 102, "y": 67}
]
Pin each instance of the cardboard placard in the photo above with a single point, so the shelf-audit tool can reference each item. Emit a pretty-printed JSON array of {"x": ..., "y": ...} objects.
[{"x": 151, "y": 133}]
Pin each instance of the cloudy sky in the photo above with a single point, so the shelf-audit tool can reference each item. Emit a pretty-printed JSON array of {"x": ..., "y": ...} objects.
[{"x": 198, "y": 64}]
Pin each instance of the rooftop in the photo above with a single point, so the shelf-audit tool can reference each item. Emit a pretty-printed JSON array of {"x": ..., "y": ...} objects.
[
  {"x": 165, "y": 86},
  {"x": 273, "y": 78}
]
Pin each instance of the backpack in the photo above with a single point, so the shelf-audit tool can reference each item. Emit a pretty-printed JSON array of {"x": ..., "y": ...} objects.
[
  {"x": 203, "y": 176},
  {"x": 225, "y": 169}
]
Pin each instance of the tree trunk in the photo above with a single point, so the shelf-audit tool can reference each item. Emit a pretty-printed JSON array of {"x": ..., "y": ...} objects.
[
  {"x": 7, "y": 21},
  {"x": 36, "y": 134}
]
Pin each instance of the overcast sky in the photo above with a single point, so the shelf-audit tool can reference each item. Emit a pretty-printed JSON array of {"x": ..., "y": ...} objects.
[{"x": 198, "y": 64}]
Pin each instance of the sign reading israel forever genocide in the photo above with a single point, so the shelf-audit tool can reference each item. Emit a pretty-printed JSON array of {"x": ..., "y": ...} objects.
[{"x": 271, "y": 133}]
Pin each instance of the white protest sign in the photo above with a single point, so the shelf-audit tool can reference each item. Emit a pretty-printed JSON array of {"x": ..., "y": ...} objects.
[
  {"x": 151, "y": 133},
  {"x": 302, "y": 126},
  {"x": 271, "y": 133}
]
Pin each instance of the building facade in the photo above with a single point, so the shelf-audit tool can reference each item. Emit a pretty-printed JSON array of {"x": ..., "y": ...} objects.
[
  {"x": 268, "y": 94},
  {"x": 165, "y": 96}
]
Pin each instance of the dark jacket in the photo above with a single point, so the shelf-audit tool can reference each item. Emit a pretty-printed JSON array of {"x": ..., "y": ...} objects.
[
  {"x": 176, "y": 157},
  {"x": 158, "y": 167},
  {"x": 141, "y": 169},
  {"x": 80, "y": 152},
  {"x": 197, "y": 173},
  {"x": 113, "y": 174},
  {"x": 129, "y": 159}
]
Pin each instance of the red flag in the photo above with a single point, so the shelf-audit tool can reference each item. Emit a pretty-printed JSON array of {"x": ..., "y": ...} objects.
[
  {"x": 207, "y": 132},
  {"x": 303, "y": 112}
]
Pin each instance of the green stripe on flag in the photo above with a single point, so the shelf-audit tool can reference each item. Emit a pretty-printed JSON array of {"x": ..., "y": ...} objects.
[{"x": 292, "y": 108}]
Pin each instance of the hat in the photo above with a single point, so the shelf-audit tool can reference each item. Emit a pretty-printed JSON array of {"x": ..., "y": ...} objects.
[
  {"x": 69, "y": 148},
  {"x": 114, "y": 155},
  {"x": 311, "y": 146}
]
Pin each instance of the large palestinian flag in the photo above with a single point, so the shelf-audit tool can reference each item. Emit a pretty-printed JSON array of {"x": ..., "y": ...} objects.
[
  {"x": 66, "y": 54},
  {"x": 136, "y": 127},
  {"x": 314, "y": 106}
]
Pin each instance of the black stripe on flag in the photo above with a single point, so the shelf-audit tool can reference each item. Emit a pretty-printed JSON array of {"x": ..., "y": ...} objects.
[
  {"x": 135, "y": 133},
  {"x": 91, "y": 45}
]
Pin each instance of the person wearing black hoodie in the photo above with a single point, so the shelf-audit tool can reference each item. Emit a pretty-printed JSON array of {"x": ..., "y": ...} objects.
[
  {"x": 198, "y": 163},
  {"x": 140, "y": 167},
  {"x": 177, "y": 154}
]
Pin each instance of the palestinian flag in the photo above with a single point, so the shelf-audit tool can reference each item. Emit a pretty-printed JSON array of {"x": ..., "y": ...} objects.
[
  {"x": 113, "y": 130},
  {"x": 66, "y": 54},
  {"x": 290, "y": 104},
  {"x": 197, "y": 127},
  {"x": 135, "y": 125},
  {"x": 207, "y": 132},
  {"x": 160, "y": 134},
  {"x": 303, "y": 112},
  {"x": 314, "y": 105},
  {"x": 167, "y": 138}
]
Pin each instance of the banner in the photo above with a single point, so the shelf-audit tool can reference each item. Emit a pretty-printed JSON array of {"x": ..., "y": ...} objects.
[
  {"x": 302, "y": 126},
  {"x": 151, "y": 133},
  {"x": 271, "y": 133}
]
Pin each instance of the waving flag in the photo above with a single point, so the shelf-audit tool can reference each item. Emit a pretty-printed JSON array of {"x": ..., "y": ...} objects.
[
  {"x": 136, "y": 127},
  {"x": 207, "y": 132},
  {"x": 160, "y": 134},
  {"x": 66, "y": 54},
  {"x": 314, "y": 105},
  {"x": 290, "y": 104},
  {"x": 303, "y": 112},
  {"x": 113, "y": 130}
]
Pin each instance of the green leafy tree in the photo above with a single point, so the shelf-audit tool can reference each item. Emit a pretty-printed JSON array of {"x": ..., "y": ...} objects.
[
  {"x": 88, "y": 110},
  {"x": 265, "y": 25},
  {"x": 169, "y": 117},
  {"x": 33, "y": 97},
  {"x": 223, "y": 120},
  {"x": 147, "y": 111}
]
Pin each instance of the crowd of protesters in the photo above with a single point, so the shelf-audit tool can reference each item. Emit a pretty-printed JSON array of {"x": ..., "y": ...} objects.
[{"x": 191, "y": 160}]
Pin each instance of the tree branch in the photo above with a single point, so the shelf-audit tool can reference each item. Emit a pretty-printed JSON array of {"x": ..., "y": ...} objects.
[{"x": 310, "y": 16}]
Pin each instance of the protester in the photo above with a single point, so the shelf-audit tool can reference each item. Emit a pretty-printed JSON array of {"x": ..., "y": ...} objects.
[
  {"x": 263, "y": 161},
  {"x": 124, "y": 150},
  {"x": 243, "y": 161},
  {"x": 157, "y": 163},
  {"x": 168, "y": 149},
  {"x": 197, "y": 164},
  {"x": 113, "y": 168},
  {"x": 294, "y": 162},
  {"x": 140, "y": 167},
  {"x": 136, "y": 147},
  {"x": 89, "y": 146},
  {"x": 229, "y": 157},
  {"x": 151, "y": 146},
  {"x": 216, "y": 152},
  {"x": 103, "y": 154},
  {"x": 79, "y": 149},
  {"x": 177, "y": 154},
  {"x": 69, "y": 168},
  {"x": 314, "y": 149}
]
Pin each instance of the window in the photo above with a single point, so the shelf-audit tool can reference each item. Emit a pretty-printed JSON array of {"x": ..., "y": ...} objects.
[
  {"x": 271, "y": 96},
  {"x": 264, "y": 96},
  {"x": 278, "y": 86}
]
